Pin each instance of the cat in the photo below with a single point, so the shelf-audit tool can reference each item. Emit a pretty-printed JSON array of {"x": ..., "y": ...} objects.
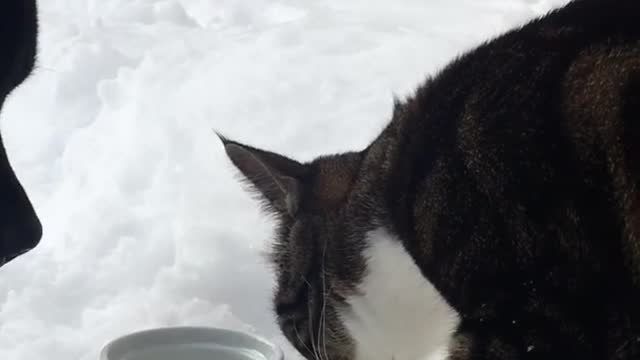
[
  {"x": 496, "y": 216},
  {"x": 20, "y": 228}
]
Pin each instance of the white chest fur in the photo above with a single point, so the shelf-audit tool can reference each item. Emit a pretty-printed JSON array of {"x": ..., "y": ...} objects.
[{"x": 399, "y": 315}]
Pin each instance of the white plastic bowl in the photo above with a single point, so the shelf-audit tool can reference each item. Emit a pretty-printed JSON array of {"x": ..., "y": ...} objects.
[{"x": 190, "y": 343}]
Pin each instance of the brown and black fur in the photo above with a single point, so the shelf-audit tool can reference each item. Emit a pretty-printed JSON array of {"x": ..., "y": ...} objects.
[
  {"x": 20, "y": 228},
  {"x": 512, "y": 178}
]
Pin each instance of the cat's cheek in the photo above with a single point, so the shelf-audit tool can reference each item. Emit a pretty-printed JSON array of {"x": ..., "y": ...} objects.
[{"x": 398, "y": 314}]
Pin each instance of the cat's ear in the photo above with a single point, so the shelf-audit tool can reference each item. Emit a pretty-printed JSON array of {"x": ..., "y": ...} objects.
[{"x": 275, "y": 177}]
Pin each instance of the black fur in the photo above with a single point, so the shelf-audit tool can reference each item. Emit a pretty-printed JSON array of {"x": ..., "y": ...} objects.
[
  {"x": 20, "y": 229},
  {"x": 512, "y": 178}
]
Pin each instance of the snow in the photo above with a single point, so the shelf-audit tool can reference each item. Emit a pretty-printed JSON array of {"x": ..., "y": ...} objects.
[{"x": 145, "y": 223}]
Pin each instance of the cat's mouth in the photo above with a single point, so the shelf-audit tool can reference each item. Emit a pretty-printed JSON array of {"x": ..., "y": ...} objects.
[
  {"x": 302, "y": 320},
  {"x": 300, "y": 324},
  {"x": 298, "y": 333}
]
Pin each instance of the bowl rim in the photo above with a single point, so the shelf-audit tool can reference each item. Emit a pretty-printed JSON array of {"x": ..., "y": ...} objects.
[{"x": 105, "y": 353}]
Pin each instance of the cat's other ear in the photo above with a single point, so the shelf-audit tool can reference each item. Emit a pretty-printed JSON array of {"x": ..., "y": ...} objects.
[{"x": 276, "y": 178}]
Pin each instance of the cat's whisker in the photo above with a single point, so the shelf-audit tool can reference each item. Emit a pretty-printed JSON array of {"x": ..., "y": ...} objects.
[
  {"x": 318, "y": 337},
  {"x": 314, "y": 346},
  {"x": 310, "y": 325},
  {"x": 324, "y": 303},
  {"x": 307, "y": 282},
  {"x": 295, "y": 329},
  {"x": 323, "y": 326}
]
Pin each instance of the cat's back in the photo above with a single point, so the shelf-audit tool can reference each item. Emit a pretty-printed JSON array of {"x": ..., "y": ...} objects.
[
  {"x": 543, "y": 57},
  {"x": 525, "y": 113}
]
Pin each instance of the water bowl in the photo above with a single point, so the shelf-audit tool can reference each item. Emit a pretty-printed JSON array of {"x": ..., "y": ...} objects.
[{"x": 190, "y": 343}]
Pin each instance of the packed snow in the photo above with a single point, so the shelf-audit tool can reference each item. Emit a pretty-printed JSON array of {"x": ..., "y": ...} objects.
[{"x": 145, "y": 224}]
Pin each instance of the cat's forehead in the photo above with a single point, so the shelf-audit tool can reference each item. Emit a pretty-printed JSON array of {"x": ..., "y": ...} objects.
[{"x": 332, "y": 179}]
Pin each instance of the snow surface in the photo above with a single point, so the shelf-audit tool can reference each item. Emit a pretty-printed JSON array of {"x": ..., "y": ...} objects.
[{"x": 145, "y": 224}]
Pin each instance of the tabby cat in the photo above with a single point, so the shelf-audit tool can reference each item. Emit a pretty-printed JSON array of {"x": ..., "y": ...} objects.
[{"x": 497, "y": 216}]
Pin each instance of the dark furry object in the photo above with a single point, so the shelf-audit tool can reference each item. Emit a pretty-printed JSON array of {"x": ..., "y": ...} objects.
[{"x": 20, "y": 229}]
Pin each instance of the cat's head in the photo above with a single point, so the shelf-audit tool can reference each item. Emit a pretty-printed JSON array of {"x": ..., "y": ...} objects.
[{"x": 316, "y": 252}]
